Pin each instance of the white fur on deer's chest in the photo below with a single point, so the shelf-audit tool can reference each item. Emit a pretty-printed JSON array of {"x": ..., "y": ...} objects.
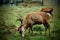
[{"x": 49, "y": 14}]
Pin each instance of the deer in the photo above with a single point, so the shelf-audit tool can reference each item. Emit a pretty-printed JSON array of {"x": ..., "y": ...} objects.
[{"x": 41, "y": 17}]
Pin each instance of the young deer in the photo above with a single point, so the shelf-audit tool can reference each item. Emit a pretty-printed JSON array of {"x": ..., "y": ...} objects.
[{"x": 31, "y": 19}]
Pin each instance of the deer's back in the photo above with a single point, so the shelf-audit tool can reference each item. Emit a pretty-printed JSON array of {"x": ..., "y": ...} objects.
[{"x": 35, "y": 17}]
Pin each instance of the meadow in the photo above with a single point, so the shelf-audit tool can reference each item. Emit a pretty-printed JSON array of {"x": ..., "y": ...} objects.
[{"x": 10, "y": 13}]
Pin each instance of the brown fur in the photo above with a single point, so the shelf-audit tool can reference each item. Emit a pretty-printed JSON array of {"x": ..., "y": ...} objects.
[
  {"x": 47, "y": 10},
  {"x": 35, "y": 18}
]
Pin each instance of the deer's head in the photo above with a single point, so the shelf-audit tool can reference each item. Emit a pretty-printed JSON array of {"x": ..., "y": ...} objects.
[{"x": 21, "y": 27}]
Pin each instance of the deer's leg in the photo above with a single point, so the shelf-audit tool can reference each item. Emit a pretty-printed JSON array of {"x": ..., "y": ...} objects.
[
  {"x": 29, "y": 31},
  {"x": 49, "y": 32},
  {"x": 47, "y": 26},
  {"x": 45, "y": 31},
  {"x": 32, "y": 30}
]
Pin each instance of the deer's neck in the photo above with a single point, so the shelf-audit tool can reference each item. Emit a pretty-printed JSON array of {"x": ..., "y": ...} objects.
[{"x": 25, "y": 24}]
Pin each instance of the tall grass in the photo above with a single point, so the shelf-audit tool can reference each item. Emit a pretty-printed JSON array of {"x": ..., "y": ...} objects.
[{"x": 10, "y": 15}]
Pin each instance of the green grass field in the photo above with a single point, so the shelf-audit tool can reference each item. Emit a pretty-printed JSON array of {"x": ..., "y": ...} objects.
[{"x": 10, "y": 16}]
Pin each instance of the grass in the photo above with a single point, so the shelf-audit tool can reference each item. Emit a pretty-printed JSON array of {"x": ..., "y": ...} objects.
[{"x": 10, "y": 13}]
